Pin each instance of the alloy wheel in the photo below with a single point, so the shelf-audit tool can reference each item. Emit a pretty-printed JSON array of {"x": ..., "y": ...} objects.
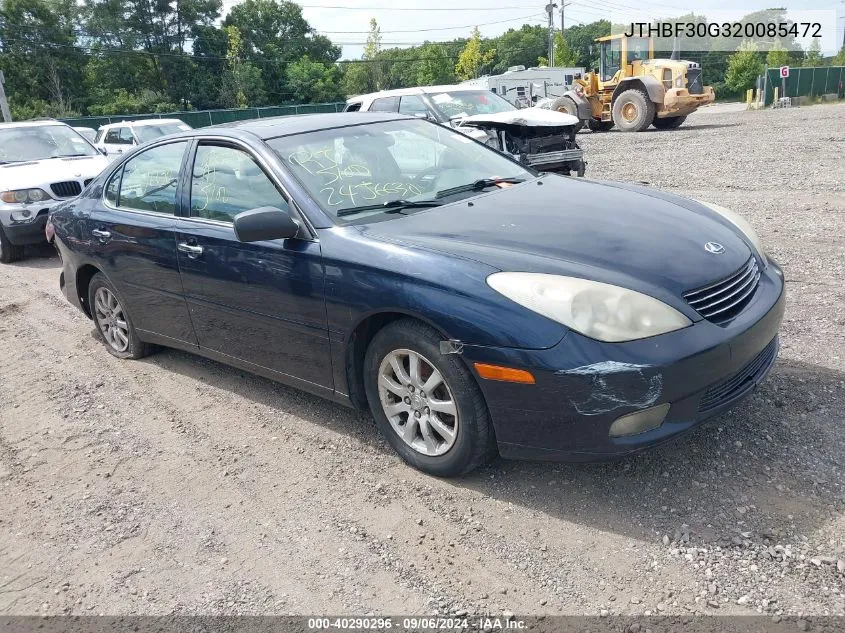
[
  {"x": 418, "y": 402},
  {"x": 111, "y": 319}
]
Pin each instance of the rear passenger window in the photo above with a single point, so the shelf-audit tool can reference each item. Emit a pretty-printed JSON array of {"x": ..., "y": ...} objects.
[
  {"x": 385, "y": 104},
  {"x": 113, "y": 136},
  {"x": 126, "y": 137},
  {"x": 150, "y": 178},
  {"x": 226, "y": 181}
]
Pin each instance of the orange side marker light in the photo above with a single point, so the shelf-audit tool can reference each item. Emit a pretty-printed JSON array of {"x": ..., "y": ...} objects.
[{"x": 504, "y": 374}]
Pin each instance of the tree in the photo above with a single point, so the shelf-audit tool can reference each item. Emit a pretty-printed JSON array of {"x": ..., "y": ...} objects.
[
  {"x": 40, "y": 60},
  {"x": 744, "y": 66},
  {"x": 813, "y": 56},
  {"x": 473, "y": 58},
  {"x": 777, "y": 56},
  {"x": 313, "y": 82},
  {"x": 519, "y": 47},
  {"x": 564, "y": 56},
  {"x": 839, "y": 60},
  {"x": 581, "y": 40},
  {"x": 275, "y": 34},
  {"x": 242, "y": 83},
  {"x": 434, "y": 67}
]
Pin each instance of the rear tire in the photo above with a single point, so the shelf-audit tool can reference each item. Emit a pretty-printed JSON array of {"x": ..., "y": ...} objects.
[
  {"x": 114, "y": 325},
  {"x": 567, "y": 106},
  {"x": 633, "y": 111},
  {"x": 435, "y": 441},
  {"x": 668, "y": 123},
  {"x": 9, "y": 252}
]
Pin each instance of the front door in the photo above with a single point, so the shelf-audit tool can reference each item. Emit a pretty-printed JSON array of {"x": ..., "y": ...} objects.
[
  {"x": 261, "y": 303},
  {"x": 135, "y": 237}
]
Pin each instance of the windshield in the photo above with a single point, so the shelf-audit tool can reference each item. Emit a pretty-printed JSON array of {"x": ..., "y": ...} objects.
[
  {"x": 149, "y": 132},
  {"x": 26, "y": 143},
  {"x": 470, "y": 102},
  {"x": 366, "y": 166}
]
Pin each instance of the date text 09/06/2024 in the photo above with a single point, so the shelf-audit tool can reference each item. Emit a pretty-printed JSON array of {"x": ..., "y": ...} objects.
[{"x": 416, "y": 623}]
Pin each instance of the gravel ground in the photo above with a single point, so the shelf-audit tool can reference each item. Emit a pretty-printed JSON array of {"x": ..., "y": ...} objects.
[{"x": 176, "y": 484}]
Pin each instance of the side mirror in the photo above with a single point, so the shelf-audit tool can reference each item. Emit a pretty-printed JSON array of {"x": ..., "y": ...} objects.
[
  {"x": 264, "y": 223},
  {"x": 102, "y": 150}
]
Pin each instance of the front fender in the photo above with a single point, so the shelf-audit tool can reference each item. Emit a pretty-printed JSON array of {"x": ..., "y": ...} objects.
[{"x": 649, "y": 84}]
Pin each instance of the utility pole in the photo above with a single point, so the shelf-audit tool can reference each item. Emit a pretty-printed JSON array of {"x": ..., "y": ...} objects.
[
  {"x": 550, "y": 9},
  {"x": 4, "y": 105}
]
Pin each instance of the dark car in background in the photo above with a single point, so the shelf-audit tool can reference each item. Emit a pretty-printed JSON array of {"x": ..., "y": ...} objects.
[{"x": 390, "y": 263}]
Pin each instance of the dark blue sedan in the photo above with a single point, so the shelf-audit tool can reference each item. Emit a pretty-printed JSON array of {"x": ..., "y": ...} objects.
[{"x": 473, "y": 305}]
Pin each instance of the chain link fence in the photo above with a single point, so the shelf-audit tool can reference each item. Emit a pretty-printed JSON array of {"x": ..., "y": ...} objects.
[
  {"x": 204, "y": 118},
  {"x": 805, "y": 82}
]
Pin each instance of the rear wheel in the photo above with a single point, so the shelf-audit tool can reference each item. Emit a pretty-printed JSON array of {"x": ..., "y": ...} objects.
[
  {"x": 633, "y": 111},
  {"x": 113, "y": 322},
  {"x": 567, "y": 106},
  {"x": 426, "y": 403},
  {"x": 9, "y": 252},
  {"x": 669, "y": 122}
]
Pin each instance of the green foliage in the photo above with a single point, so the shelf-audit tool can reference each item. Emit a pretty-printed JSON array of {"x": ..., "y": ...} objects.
[
  {"x": 813, "y": 57},
  {"x": 313, "y": 82},
  {"x": 839, "y": 59},
  {"x": 473, "y": 57},
  {"x": 743, "y": 67},
  {"x": 777, "y": 55},
  {"x": 122, "y": 102}
]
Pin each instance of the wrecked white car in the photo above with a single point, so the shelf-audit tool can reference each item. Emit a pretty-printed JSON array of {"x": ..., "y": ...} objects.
[{"x": 542, "y": 139}]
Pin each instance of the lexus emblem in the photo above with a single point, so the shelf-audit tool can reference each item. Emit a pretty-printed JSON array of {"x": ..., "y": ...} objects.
[{"x": 714, "y": 247}]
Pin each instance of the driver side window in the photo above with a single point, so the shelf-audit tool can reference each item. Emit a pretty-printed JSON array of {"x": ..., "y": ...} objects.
[
  {"x": 611, "y": 59},
  {"x": 227, "y": 181}
]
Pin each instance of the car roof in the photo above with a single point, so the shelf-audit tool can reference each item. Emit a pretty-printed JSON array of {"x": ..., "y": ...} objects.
[
  {"x": 421, "y": 90},
  {"x": 273, "y": 127},
  {"x": 41, "y": 123},
  {"x": 140, "y": 123}
]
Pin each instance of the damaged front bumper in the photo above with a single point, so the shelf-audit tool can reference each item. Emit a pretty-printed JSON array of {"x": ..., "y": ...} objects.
[{"x": 584, "y": 386}]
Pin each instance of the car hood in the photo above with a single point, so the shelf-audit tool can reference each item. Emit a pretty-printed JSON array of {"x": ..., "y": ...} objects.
[
  {"x": 40, "y": 173},
  {"x": 527, "y": 117},
  {"x": 615, "y": 233}
]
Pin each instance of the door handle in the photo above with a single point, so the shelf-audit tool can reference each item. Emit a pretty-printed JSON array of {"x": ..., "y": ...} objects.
[
  {"x": 192, "y": 250},
  {"x": 101, "y": 235}
]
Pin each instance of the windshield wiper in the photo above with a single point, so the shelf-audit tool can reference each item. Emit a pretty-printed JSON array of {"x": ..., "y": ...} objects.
[
  {"x": 391, "y": 206},
  {"x": 478, "y": 185}
]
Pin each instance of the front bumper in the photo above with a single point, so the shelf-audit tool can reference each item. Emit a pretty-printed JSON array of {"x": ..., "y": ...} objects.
[
  {"x": 583, "y": 386},
  {"x": 25, "y": 233}
]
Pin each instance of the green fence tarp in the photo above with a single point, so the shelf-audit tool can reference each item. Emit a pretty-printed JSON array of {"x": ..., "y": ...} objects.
[
  {"x": 204, "y": 118},
  {"x": 806, "y": 82}
]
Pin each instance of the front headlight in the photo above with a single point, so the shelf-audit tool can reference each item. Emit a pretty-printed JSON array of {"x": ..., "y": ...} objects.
[
  {"x": 741, "y": 223},
  {"x": 24, "y": 196},
  {"x": 600, "y": 311}
]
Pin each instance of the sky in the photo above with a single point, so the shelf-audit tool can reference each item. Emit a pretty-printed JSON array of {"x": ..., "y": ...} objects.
[{"x": 407, "y": 22}]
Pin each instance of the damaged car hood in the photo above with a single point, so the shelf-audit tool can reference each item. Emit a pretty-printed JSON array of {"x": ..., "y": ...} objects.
[
  {"x": 527, "y": 117},
  {"x": 615, "y": 233}
]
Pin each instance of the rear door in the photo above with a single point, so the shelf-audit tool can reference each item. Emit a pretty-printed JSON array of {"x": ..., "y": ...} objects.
[
  {"x": 261, "y": 303},
  {"x": 133, "y": 241}
]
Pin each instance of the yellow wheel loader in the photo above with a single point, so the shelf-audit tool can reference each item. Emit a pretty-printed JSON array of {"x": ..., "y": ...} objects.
[{"x": 632, "y": 90}]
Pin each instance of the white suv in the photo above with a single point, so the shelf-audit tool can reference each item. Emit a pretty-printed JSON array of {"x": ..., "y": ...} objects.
[
  {"x": 116, "y": 138},
  {"x": 42, "y": 163}
]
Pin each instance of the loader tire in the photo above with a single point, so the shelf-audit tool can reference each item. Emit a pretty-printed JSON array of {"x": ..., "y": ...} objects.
[
  {"x": 668, "y": 123},
  {"x": 633, "y": 111},
  {"x": 567, "y": 106}
]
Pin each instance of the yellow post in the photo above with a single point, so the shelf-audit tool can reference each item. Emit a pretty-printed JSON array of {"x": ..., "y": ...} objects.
[
  {"x": 776, "y": 95},
  {"x": 749, "y": 96}
]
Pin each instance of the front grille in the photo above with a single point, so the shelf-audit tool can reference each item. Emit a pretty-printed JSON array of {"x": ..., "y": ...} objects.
[
  {"x": 741, "y": 382},
  {"x": 694, "y": 85},
  {"x": 67, "y": 189},
  {"x": 722, "y": 301}
]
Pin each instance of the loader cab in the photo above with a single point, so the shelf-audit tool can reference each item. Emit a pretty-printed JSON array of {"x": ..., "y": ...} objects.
[{"x": 618, "y": 52}]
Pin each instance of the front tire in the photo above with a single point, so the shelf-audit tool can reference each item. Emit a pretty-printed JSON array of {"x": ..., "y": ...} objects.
[
  {"x": 668, "y": 123},
  {"x": 633, "y": 111},
  {"x": 567, "y": 106},
  {"x": 427, "y": 404},
  {"x": 114, "y": 324},
  {"x": 9, "y": 252}
]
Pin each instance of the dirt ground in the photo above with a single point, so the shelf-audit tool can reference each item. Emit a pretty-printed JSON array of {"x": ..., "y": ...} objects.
[{"x": 176, "y": 484}]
